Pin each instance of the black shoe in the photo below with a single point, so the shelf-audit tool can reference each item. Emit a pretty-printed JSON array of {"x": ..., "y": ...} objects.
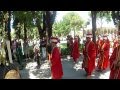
[{"x": 38, "y": 67}]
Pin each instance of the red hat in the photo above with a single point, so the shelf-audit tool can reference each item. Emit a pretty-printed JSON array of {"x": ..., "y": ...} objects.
[
  {"x": 54, "y": 40},
  {"x": 89, "y": 35}
]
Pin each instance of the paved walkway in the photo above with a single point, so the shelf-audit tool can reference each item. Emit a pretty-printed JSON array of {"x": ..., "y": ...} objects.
[
  {"x": 71, "y": 71},
  {"x": 75, "y": 71}
]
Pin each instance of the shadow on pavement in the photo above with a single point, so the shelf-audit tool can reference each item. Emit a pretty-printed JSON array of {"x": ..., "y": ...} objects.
[
  {"x": 32, "y": 72},
  {"x": 24, "y": 74},
  {"x": 72, "y": 70},
  {"x": 43, "y": 72}
]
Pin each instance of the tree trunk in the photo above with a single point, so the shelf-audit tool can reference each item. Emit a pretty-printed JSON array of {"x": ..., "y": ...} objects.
[
  {"x": 9, "y": 27},
  {"x": 48, "y": 23},
  {"x": 93, "y": 13},
  {"x": 25, "y": 32},
  {"x": 119, "y": 26},
  {"x": 43, "y": 33},
  {"x": 48, "y": 29},
  {"x": 19, "y": 32}
]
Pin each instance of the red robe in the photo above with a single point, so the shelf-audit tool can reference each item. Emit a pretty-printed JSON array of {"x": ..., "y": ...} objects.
[
  {"x": 114, "y": 72},
  {"x": 89, "y": 57},
  {"x": 98, "y": 45},
  {"x": 75, "y": 51},
  {"x": 56, "y": 65},
  {"x": 103, "y": 61},
  {"x": 115, "y": 44},
  {"x": 71, "y": 46}
]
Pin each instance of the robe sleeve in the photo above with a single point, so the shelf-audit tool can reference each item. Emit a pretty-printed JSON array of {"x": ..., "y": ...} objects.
[
  {"x": 55, "y": 56},
  {"x": 92, "y": 50},
  {"x": 112, "y": 58}
]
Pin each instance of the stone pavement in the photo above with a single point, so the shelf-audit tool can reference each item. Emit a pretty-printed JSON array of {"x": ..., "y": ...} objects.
[
  {"x": 75, "y": 71},
  {"x": 70, "y": 69}
]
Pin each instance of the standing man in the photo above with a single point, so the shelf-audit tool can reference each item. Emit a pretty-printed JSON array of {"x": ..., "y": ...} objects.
[
  {"x": 115, "y": 43},
  {"x": 98, "y": 45},
  {"x": 104, "y": 54},
  {"x": 19, "y": 54},
  {"x": 75, "y": 51},
  {"x": 56, "y": 65},
  {"x": 68, "y": 41},
  {"x": 43, "y": 46},
  {"x": 115, "y": 61},
  {"x": 36, "y": 50},
  {"x": 71, "y": 45},
  {"x": 89, "y": 55}
]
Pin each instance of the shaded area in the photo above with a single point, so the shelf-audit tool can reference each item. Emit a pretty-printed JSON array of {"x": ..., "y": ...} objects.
[
  {"x": 75, "y": 71},
  {"x": 31, "y": 71},
  {"x": 71, "y": 70}
]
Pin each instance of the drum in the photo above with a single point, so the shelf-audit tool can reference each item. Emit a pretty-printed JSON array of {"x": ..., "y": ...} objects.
[{"x": 9, "y": 72}]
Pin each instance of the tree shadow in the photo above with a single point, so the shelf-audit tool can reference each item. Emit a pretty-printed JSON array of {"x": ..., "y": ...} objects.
[
  {"x": 32, "y": 72},
  {"x": 72, "y": 70},
  {"x": 75, "y": 71},
  {"x": 101, "y": 74},
  {"x": 24, "y": 74},
  {"x": 41, "y": 73}
]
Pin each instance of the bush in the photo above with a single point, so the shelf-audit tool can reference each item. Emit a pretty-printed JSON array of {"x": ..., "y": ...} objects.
[
  {"x": 65, "y": 51},
  {"x": 81, "y": 47}
]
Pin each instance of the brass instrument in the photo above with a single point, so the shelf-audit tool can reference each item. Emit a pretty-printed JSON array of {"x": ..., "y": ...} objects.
[
  {"x": 9, "y": 72},
  {"x": 2, "y": 54}
]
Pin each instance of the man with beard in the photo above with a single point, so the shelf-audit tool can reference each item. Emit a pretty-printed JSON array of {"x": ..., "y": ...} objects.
[
  {"x": 89, "y": 53},
  {"x": 55, "y": 61}
]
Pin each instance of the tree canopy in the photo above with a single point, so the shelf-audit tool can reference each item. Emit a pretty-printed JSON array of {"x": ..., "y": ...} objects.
[{"x": 70, "y": 21}]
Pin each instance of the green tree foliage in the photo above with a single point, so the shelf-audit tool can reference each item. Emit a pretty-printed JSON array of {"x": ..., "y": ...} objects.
[
  {"x": 103, "y": 15},
  {"x": 70, "y": 21},
  {"x": 116, "y": 18},
  {"x": 96, "y": 15},
  {"x": 25, "y": 20}
]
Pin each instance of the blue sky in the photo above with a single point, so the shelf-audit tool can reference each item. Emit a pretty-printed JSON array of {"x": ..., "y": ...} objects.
[{"x": 85, "y": 16}]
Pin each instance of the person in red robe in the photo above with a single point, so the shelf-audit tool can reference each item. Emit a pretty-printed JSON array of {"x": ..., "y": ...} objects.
[
  {"x": 115, "y": 43},
  {"x": 71, "y": 45},
  {"x": 89, "y": 53},
  {"x": 75, "y": 51},
  {"x": 103, "y": 61},
  {"x": 55, "y": 61},
  {"x": 68, "y": 41},
  {"x": 98, "y": 45},
  {"x": 115, "y": 61}
]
